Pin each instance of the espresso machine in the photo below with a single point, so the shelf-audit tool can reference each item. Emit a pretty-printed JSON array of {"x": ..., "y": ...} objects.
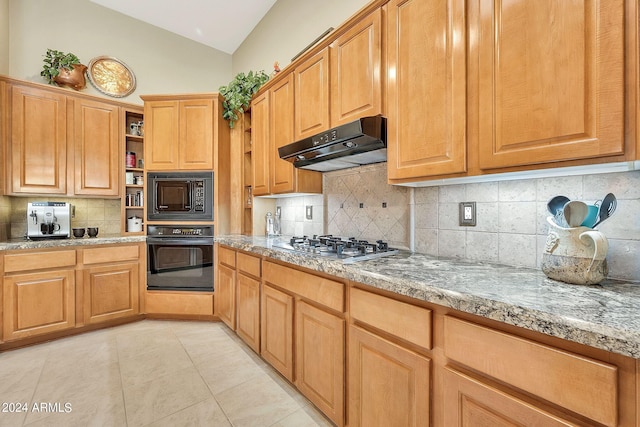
[{"x": 49, "y": 220}]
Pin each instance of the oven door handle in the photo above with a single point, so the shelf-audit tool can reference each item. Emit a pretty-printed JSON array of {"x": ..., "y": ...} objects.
[{"x": 183, "y": 242}]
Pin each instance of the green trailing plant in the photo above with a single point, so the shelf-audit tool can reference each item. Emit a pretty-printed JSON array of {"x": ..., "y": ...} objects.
[
  {"x": 237, "y": 94},
  {"x": 54, "y": 60}
]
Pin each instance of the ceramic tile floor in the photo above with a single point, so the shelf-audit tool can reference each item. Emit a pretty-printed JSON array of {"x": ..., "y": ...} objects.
[{"x": 148, "y": 373}]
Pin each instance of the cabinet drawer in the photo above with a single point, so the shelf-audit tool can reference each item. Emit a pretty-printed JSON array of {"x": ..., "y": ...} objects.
[
  {"x": 406, "y": 321},
  {"x": 585, "y": 386},
  {"x": 315, "y": 288},
  {"x": 39, "y": 260},
  {"x": 227, "y": 256},
  {"x": 249, "y": 264},
  {"x": 111, "y": 254}
]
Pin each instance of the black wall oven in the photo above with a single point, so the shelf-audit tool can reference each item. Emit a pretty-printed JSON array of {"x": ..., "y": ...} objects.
[
  {"x": 180, "y": 196},
  {"x": 180, "y": 258}
]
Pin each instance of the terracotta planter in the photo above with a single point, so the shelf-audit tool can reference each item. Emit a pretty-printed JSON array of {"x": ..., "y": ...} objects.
[{"x": 72, "y": 78}]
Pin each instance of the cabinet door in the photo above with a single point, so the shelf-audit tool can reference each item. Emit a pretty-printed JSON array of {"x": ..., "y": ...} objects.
[
  {"x": 276, "y": 334},
  {"x": 551, "y": 80},
  {"x": 110, "y": 292},
  {"x": 161, "y": 135},
  {"x": 38, "y": 303},
  {"x": 312, "y": 95},
  {"x": 388, "y": 384},
  {"x": 38, "y": 141},
  {"x": 282, "y": 173},
  {"x": 469, "y": 402},
  {"x": 248, "y": 321},
  {"x": 356, "y": 67},
  {"x": 260, "y": 148},
  {"x": 225, "y": 299},
  {"x": 196, "y": 134},
  {"x": 426, "y": 88},
  {"x": 320, "y": 359},
  {"x": 97, "y": 153}
]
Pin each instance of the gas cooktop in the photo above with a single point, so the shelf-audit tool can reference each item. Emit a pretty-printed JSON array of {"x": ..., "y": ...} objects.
[{"x": 346, "y": 249}]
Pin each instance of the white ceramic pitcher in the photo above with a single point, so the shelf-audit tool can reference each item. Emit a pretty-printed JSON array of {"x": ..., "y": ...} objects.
[{"x": 575, "y": 255}]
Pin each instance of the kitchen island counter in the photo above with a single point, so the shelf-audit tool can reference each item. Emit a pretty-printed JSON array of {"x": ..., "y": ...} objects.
[{"x": 605, "y": 316}]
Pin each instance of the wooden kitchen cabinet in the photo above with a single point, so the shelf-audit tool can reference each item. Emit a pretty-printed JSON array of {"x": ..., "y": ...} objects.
[
  {"x": 320, "y": 357},
  {"x": 426, "y": 88},
  {"x": 276, "y": 330},
  {"x": 551, "y": 80},
  {"x": 303, "y": 315},
  {"x": 389, "y": 381},
  {"x": 179, "y": 132},
  {"x": 356, "y": 71},
  {"x": 225, "y": 286},
  {"x": 272, "y": 127},
  {"x": 38, "y": 141},
  {"x": 533, "y": 368},
  {"x": 97, "y": 148},
  {"x": 111, "y": 282},
  {"x": 260, "y": 144},
  {"x": 248, "y": 300},
  {"x": 38, "y": 293},
  {"x": 388, "y": 384},
  {"x": 282, "y": 174},
  {"x": 311, "y": 92}
]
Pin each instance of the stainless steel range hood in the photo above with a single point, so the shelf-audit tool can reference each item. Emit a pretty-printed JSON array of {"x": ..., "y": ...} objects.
[{"x": 360, "y": 142}]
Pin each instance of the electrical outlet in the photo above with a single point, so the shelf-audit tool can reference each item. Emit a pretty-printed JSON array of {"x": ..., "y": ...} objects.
[
  {"x": 309, "y": 212},
  {"x": 467, "y": 214},
  {"x": 278, "y": 211}
]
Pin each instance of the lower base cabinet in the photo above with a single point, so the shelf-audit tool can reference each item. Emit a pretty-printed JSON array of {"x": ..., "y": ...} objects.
[
  {"x": 38, "y": 303},
  {"x": 110, "y": 292},
  {"x": 276, "y": 344},
  {"x": 388, "y": 384},
  {"x": 319, "y": 340},
  {"x": 471, "y": 402},
  {"x": 248, "y": 311}
]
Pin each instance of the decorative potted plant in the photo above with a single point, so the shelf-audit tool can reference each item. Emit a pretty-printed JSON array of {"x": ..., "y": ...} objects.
[
  {"x": 63, "y": 69},
  {"x": 238, "y": 93}
]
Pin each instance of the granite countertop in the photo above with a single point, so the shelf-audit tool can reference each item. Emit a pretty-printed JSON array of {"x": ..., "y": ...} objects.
[
  {"x": 605, "y": 316},
  {"x": 55, "y": 243}
]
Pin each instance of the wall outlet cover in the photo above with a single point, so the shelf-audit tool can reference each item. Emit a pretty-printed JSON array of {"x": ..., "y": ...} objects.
[
  {"x": 467, "y": 214},
  {"x": 309, "y": 212}
]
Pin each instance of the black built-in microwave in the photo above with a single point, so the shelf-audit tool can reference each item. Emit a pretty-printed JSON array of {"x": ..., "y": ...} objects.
[{"x": 180, "y": 196}]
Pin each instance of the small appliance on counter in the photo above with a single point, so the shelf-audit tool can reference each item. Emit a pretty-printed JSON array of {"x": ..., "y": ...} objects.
[{"x": 49, "y": 220}]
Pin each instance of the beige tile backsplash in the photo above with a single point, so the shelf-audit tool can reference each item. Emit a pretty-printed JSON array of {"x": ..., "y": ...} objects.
[
  {"x": 101, "y": 213},
  {"x": 511, "y": 215}
]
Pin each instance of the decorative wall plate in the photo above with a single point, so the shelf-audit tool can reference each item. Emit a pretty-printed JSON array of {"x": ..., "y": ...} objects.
[{"x": 111, "y": 76}]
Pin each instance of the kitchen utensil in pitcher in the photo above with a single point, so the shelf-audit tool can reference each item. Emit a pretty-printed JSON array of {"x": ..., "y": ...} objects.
[
  {"x": 555, "y": 206},
  {"x": 607, "y": 207},
  {"x": 575, "y": 212}
]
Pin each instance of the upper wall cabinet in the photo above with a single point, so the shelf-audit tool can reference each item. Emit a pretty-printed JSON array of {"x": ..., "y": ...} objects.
[
  {"x": 178, "y": 133},
  {"x": 426, "y": 91},
  {"x": 312, "y": 95},
  {"x": 551, "y": 80},
  {"x": 97, "y": 156},
  {"x": 38, "y": 141},
  {"x": 62, "y": 144},
  {"x": 342, "y": 82},
  {"x": 272, "y": 125},
  {"x": 356, "y": 69},
  {"x": 260, "y": 144}
]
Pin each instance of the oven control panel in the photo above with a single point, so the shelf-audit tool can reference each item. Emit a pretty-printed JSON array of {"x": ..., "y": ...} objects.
[
  {"x": 179, "y": 231},
  {"x": 198, "y": 195}
]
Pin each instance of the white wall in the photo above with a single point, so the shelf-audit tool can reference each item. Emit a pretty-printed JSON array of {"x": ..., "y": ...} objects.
[
  {"x": 162, "y": 61},
  {"x": 4, "y": 36},
  {"x": 288, "y": 28}
]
